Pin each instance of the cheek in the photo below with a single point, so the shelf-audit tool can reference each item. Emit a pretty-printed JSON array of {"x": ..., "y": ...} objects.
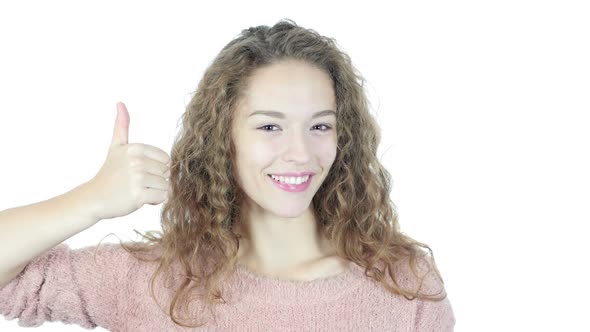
[
  {"x": 326, "y": 150},
  {"x": 260, "y": 153}
]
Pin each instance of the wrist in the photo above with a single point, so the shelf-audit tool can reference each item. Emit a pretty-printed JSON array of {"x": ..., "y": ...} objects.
[{"x": 87, "y": 203}]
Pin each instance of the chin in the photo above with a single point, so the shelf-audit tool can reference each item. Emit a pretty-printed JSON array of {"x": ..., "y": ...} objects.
[{"x": 290, "y": 213}]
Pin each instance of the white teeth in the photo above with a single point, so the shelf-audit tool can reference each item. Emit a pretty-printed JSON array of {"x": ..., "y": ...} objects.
[{"x": 291, "y": 180}]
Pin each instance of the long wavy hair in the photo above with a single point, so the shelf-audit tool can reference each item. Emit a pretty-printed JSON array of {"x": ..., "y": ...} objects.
[{"x": 353, "y": 206}]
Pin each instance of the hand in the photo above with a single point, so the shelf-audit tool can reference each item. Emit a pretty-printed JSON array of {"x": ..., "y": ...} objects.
[{"x": 132, "y": 175}]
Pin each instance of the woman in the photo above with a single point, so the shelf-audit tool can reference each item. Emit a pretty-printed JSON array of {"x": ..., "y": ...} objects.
[{"x": 279, "y": 213}]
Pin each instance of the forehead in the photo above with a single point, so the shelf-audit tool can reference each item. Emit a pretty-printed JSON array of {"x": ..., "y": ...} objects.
[{"x": 288, "y": 87}]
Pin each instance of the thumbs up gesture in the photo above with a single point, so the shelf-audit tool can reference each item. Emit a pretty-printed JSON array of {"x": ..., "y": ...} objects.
[{"x": 132, "y": 175}]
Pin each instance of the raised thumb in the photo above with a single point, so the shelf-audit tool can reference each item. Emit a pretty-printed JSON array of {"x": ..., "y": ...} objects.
[{"x": 121, "y": 130}]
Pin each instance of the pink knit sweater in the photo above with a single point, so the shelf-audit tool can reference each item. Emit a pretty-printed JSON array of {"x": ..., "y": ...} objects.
[{"x": 67, "y": 285}]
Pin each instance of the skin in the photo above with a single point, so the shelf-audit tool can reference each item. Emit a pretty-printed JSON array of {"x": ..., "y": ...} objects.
[{"x": 280, "y": 236}]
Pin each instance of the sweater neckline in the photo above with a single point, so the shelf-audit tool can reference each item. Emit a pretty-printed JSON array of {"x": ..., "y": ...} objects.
[{"x": 258, "y": 288}]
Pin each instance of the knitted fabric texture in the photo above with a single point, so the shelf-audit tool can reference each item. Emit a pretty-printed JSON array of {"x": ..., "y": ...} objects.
[{"x": 69, "y": 286}]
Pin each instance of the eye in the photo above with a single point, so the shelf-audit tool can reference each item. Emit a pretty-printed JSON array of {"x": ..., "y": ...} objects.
[
  {"x": 324, "y": 125},
  {"x": 263, "y": 128},
  {"x": 267, "y": 126}
]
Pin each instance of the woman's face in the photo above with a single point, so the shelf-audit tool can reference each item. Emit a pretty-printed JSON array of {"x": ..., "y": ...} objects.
[{"x": 285, "y": 123}]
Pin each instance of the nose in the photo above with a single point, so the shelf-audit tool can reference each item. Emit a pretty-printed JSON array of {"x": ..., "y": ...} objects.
[{"x": 298, "y": 149}]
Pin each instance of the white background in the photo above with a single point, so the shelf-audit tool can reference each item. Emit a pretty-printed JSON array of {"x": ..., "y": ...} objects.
[{"x": 484, "y": 107}]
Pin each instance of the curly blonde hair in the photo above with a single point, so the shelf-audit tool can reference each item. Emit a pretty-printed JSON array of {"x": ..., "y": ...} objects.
[{"x": 352, "y": 206}]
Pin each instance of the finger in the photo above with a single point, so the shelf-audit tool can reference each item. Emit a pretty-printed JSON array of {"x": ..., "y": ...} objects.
[
  {"x": 153, "y": 196},
  {"x": 156, "y": 168},
  {"x": 154, "y": 182},
  {"x": 153, "y": 152},
  {"x": 121, "y": 130}
]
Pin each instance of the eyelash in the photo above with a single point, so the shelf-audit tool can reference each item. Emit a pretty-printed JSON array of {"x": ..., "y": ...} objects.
[{"x": 273, "y": 125}]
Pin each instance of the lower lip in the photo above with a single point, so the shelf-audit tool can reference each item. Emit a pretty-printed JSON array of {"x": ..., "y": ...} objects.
[{"x": 292, "y": 187}]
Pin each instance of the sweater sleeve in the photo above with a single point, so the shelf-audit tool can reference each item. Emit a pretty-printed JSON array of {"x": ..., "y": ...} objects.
[
  {"x": 434, "y": 316},
  {"x": 68, "y": 285}
]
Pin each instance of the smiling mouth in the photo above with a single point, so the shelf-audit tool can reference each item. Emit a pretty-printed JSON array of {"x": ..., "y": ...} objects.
[
  {"x": 308, "y": 179},
  {"x": 293, "y": 188}
]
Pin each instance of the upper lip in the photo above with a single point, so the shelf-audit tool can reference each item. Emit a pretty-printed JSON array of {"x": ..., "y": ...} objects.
[{"x": 293, "y": 174}]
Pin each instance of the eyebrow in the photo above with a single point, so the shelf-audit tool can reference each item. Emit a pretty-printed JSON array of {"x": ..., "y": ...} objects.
[{"x": 282, "y": 115}]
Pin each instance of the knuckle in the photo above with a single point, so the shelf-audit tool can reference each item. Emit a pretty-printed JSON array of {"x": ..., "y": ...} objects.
[
  {"x": 132, "y": 149},
  {"x": 136, "y": 162},
  {"x": 136, "y": 194},
  {"x": 139, "y": 178},
  {"x": 138, "y": 149}
]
